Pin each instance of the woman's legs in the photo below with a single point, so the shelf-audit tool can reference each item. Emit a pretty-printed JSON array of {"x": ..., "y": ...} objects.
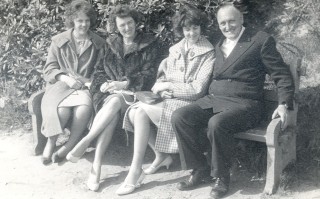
[
  {"x": 64, "y": 115},
  {"x": 160, "y": 157},
  {"x": 103, "y": 118},
  {"x": 80, "y": 119},
  {"x": 141, "y": 137},
  {"x": 101, "y": 147}
]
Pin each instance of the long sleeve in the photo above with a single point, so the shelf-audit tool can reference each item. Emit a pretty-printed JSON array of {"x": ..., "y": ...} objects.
[
  {"x": 99, "y": 75},
  {"x": 146, "y": 76},
  {"x": 52, "y": 68},
  {"x": 196, "y": 85},
  {"x": 279, "y": 72}
]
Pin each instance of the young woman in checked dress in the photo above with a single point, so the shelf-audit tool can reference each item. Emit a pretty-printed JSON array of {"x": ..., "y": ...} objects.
[{"x": 183, "y": 77}]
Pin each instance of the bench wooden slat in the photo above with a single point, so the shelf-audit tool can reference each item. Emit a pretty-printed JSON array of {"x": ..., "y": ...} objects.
[{"x": 256, "y": 134}]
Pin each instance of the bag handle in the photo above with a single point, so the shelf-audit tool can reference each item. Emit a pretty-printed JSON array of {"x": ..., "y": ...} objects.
[{"x": 126, "y": 92}]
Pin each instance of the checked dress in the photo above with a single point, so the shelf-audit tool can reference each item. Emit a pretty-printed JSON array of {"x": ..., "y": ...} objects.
[{"x": 190, "y": 71}]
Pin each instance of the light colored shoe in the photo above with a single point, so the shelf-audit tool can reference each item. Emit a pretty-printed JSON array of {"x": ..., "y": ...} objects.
[
  {"x": 129, "y": 188},
  {"x": 92, "y": 184},
  {"x": 72, "y": 158},
  {"x": 166, "y": 162}
]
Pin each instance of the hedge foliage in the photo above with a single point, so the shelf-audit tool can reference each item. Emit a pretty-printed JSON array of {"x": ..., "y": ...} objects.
[{"x": 28, "y": 25}]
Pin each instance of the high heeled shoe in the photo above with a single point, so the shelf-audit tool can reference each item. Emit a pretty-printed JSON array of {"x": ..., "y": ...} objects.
[
  {"x": 129, "y": 188},
  {"x": 56, "y": 158},
  {"x": 166, "y": 162},
  {"x": 74, "y": 159},
  {"x": 46, "y": 160},
  {"x": 92, "y": 184}
]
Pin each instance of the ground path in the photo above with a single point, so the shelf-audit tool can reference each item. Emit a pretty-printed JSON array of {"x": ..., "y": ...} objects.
[{"x": 22, "y": 176}]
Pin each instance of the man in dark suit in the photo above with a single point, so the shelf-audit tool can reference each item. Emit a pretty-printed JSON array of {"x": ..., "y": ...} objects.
[{"x": 234, "y": 100}]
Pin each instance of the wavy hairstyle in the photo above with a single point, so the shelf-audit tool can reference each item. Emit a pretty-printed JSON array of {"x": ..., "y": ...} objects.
[
  {"x": 76, "y": 7},
  {"x": 187, "y": 16},
  {"x": 123, "y": 11}
]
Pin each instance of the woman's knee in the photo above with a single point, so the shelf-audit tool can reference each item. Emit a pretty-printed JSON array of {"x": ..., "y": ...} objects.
[
  {"x": 140, "y": 112},
  {"x": 64, "y": 112},
  {"x": 141, "y": 116},
  {"x": 114, "y": 103}
]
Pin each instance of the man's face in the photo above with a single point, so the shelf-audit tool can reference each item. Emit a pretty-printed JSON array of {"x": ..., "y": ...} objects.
[{"x": 230, "y": 22}]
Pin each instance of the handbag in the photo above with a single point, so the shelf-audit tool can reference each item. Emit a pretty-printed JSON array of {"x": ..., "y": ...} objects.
[
  {"x": 125, "y": 94},
  {"x": 148, "y": 97}
]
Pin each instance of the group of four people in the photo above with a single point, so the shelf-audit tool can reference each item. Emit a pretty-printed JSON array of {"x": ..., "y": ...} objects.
[{"x": 200, "y": 85}]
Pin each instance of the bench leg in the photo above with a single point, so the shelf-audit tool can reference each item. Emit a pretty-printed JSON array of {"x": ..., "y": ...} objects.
[
  {"x": 274, "y": 157},
  {"x": 39, "y": 141},
  {"x": 274, "y": 169}
]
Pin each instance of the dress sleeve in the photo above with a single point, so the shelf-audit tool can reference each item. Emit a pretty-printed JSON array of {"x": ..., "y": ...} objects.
[
  {"x": 145, "y": 78},
  {"x": 52, "y": 68},
  {"x": 99, "y": 75},
  {"x": 196, "y": 86}
]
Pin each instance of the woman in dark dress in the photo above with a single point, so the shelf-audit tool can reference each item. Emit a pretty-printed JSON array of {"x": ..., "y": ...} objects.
[{"x": 130, "y": 63}]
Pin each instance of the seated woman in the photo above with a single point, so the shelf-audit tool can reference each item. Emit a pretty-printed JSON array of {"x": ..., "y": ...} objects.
[
  {"x": 130, "y": 63},
  {"x": 71, "y": 59},
  {"x": 184, "y": 77}
]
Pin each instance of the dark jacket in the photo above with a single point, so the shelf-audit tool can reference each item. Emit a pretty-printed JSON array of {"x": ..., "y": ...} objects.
[
  {"x": 138, "y": 66},
  {"x": 238, "y": 80}
]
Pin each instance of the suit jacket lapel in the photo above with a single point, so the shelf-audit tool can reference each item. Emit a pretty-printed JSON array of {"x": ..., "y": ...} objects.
[{"x": 241, "y": 47}]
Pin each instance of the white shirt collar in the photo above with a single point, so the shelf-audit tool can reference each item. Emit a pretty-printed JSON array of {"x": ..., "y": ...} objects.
[{"x": 228, "y": 45}]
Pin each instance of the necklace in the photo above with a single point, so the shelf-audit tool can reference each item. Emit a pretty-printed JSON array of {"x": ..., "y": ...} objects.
[
  {"x": 80, "y": 42},
  {"x": 127, "y": 43}
]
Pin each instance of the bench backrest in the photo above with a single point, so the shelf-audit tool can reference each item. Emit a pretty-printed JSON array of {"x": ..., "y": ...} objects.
[{"x": 293, "y": 57}]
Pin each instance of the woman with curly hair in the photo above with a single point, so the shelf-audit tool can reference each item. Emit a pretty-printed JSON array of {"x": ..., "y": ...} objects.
[
  {"x": 183, "y": 77},
  {"x": 71, "y": 60},
  {"x": 130, "y": 63}
]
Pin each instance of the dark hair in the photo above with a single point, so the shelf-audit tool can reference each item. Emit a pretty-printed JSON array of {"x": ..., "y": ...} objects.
[
  {"x": 187, "y": 16},
  {"x": 77, "y": 6},
  {"x": 123, "y": 11}
]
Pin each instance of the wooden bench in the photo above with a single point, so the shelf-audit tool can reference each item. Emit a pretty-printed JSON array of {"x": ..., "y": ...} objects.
[
  {"x": 281, "y": 145},
  {"x": 34, "y": 106}
]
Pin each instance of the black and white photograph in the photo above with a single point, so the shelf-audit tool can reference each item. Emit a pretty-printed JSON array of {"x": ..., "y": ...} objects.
[{"x": 159, "y": 99}]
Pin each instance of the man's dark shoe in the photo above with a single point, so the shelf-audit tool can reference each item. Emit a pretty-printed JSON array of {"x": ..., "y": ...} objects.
[
  {"x": 196, "y": 178},
  {"x": 220, "y": 187}
]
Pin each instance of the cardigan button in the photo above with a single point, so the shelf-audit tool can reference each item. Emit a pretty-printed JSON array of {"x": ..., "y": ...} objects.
[
  {"x": 191, "y": 53},
  {"x": 181, "y": 69}
]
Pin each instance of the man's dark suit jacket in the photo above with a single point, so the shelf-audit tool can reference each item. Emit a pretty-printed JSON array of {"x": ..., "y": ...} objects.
[{"x": 238, "y": 80}]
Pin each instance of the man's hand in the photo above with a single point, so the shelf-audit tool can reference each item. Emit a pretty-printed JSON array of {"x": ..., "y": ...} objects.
[{"x": 282, "y": 112}]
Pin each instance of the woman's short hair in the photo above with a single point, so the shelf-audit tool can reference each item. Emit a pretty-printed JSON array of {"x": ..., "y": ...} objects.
[
  {"x": 76, "y": 7},
  {"x": 188, "y": 16},
  {"x": 123, "y": 11}
]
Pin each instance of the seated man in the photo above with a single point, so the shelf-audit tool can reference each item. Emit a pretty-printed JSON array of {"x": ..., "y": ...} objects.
[{"x": 234, "y": 100}]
